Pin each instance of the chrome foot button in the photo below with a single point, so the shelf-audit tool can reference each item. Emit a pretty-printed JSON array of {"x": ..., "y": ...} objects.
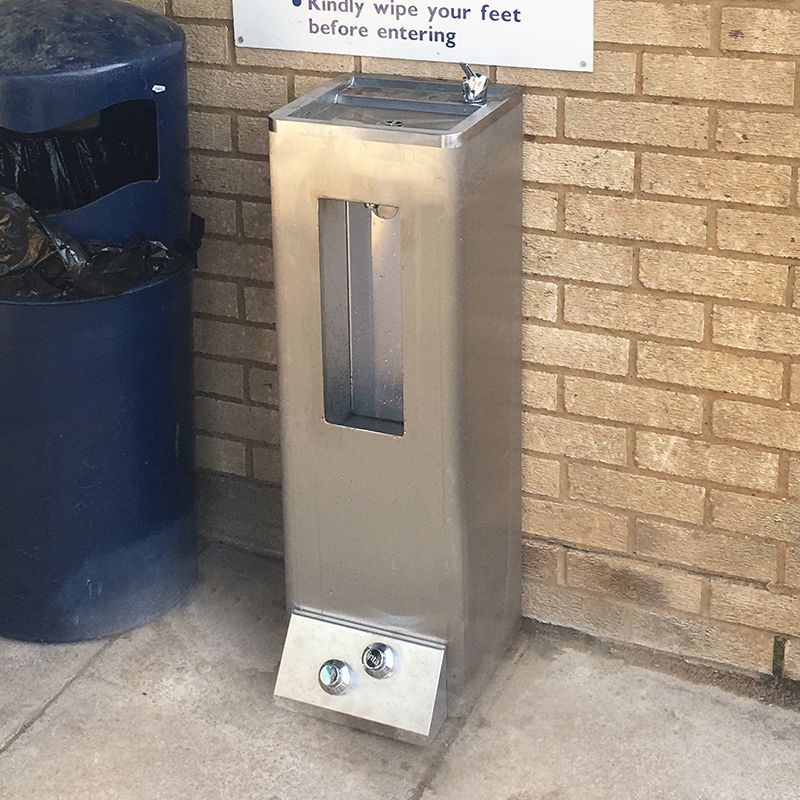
[
  {"x": 378, "y": 660},
  {"x": 335, "y": 677}
]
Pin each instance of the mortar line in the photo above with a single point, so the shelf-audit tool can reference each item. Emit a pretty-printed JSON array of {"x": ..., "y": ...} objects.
[{"x": 25, "y": 727}]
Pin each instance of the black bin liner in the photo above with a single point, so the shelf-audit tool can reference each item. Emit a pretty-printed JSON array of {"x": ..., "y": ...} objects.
[
  {"x": 71, "y": 167},
  {"x": 37, "y": 261}
]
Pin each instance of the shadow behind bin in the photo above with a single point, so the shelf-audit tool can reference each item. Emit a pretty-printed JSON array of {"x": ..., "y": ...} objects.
[{"x": 97, "y": 508}]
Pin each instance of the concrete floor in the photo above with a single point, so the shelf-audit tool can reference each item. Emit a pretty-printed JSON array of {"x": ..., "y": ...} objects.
[{"x": 183, "y": 710}]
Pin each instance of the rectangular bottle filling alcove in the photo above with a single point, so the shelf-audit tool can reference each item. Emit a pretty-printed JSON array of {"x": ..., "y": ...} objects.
[{"x": 361, "y": 315}]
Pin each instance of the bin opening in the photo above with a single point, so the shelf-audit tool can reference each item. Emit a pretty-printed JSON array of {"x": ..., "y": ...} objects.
[
  {"x": 72, "y": 166},
  {"x": 362, "y": 345}
]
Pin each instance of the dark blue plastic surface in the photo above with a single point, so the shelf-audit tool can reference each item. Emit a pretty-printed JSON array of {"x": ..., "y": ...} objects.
[
  {"x": 97, "y": 507},
  {"x": 97, "y": 519},
  {"x": 64, "y": 60}
]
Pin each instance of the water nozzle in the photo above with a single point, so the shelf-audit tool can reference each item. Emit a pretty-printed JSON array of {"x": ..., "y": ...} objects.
[{"x": 475, "y": 86}]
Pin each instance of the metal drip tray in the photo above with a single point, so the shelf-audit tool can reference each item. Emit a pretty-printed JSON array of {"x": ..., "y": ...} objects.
[
  {"x": 391, "y": 116},
  {"x": 379, "y": 104}
]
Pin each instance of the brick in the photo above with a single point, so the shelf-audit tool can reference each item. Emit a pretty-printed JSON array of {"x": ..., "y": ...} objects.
[
  {"x": 253, "y": 135},
  {"x": 210, "y": 131},
  {"x": 714, "y": 276},
  {"x": 792, "y": 568},
  {"x": 720, "y": 463},
  {"x": 255, "y": 91},
  {"x": 267, "y": 464},
  {"x": 709, "y": 369},
  {"x": 737, "y": 556},
  {"x": 560, "y": 436},
  {"x": 229, "y": 175},
  {"x": 636, "y": 492},
  {"x": 263, "y": 385},
  {"x": 208, "y": 9},
  {"x": 794, "y": 477},
  {"x": 648, "y": 23},
  {"x": 539, "y": 389},
  {"x": 749, "y": 329},
  {"x": 640, "y": 405},
  {"x": 575, "y": 349},
  {"x": 758, "y": 232},
  {"x": 794, "y": 384},
  {"x": 417, "y": 69},
  {"x": 236, "y": 260},
  {"x": 574, "y": 165},
  {"x": 221, "y": 455},
  {"x": 716, "y": 642},
  {"x": 219, "y": 377},
  {"x": 307, "y": 83},
  {"x": 628, "y": 122},
  {"x": 539, "y": 209},
  {"x": 639, "y": 313},
  {"x": 759, "y": 608},
  {"x": 540, "y": 114},
  {"x": 207, "y": 43},
  {"x": 636, "y": 219},
  {"x": 257, "y": 220},
  {"x": 613, "y": 73},
  {"x": 540, "y": 560},
  {"x": 284, "y": 59},
  {"x": 259, "y": 304},
  {"x": 215, "y": 297},
  {"x": 234, "y": 340},
  {"x": 539, "y": 300},
  {"x": 580, "y": 261},
  {"x": 711, "y": 78},
  {"x": 253, "y": 423},
  {"x": 761, "y": 30},
  {"x": 748, "y": 422},
  {"x": 540, "y": 475},
  {"x": 574, "y": 524},
  {"x": 219, "y": 215},
  {"x": 716, "y": 179},
  {"x": 759, "y": 133},
  {"x": 626, "y": 579},
  {"x": 756, "y": 516}
]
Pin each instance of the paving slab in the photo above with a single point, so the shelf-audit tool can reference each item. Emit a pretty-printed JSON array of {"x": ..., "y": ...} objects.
[
  {"x": 183, "y": 709},
  {"x": 31, "y": 675},
  {"x": 563, "y": 724}
]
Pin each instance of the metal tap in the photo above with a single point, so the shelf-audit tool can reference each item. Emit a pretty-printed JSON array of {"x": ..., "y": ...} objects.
[{"x": 475, "y": 86}]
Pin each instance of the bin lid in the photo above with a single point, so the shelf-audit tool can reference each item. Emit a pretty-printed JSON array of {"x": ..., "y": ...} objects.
[{"x": 61, "y": 60}]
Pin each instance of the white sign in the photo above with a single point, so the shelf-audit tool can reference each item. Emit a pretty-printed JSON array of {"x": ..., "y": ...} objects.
[{"x": 544, "y": 34}]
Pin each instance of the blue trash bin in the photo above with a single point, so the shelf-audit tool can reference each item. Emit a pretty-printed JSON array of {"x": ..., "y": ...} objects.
[{"x": 97, "y": 506}]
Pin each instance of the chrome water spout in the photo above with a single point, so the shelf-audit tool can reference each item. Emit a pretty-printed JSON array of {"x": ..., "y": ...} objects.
[{"x": 475, "y": 86}]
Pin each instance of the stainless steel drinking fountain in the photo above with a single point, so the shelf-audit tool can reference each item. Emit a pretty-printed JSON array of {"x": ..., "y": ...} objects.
[{"x": 397, "y": 236}]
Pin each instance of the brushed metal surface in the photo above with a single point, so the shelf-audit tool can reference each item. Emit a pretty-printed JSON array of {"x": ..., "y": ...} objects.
[
  {"x": 416, "y": 534},
  {"x": 411, "y": 699},
  {"x": 429, "y": 113}
]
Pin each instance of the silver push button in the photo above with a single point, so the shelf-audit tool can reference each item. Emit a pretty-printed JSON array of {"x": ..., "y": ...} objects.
[
  {"x": 335, "y": 677},
  {"x": 378, "y": 660}
]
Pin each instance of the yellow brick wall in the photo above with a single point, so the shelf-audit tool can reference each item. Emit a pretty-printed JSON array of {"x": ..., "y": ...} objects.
[{"x": 662, "y": 323}]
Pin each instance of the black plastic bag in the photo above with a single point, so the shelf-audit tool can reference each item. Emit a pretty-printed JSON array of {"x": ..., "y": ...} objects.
[
  {"x": 23, "y": 242},
  {"x": 39, "y": 262},
  {"x": 69, "y": 168}
]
